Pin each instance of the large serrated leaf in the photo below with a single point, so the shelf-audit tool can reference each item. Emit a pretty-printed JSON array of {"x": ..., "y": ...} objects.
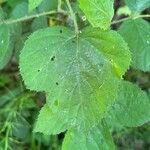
[
  {"x": 131, "y": 108},
  {"x": 138, "y": 41},
  {"x": 138, "y": 5},
  {"x": 49, "y": 123},
  {"x": 99, "y": 138},
  {"x": 98, "y": 12},
  {"x": 75, "y": 71}
]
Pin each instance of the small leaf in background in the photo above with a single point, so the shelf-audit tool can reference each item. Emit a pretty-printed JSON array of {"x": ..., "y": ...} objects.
[
  {"x": 21, "y": 127},
  {"x": 99, "y": 138},
  {"x": 33, "y": 4},
  {"x": 131, "y": 108},
  {"x": 39, "y": 23},
  {"x": 138, "y": 41},
  {"x": 13, "y": 3},
  {"x": 20, "y": 10},
  {"x": 5, "y": 46},
  {"x": 124, "y": 11},
  {"x": 138, "y": 5},
  {"x": 98, "y": 12}
]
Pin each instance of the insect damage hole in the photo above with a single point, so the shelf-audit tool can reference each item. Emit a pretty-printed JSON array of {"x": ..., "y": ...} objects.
[
  {"x": 53, "y": 58},
  {"x": 57, "y": 83},
  {"x": 60, "y": 31}
]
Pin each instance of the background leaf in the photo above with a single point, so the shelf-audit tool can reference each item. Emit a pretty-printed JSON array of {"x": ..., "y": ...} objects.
[
  {"x": 138, "y": 41},
  {"x": 131, "y": 108},
  {"x": 77, "y": 74},
  {"x": 98, "y": 12},
  {"x": 33, "y": 4},
  {"x": 5, "y": 46}
]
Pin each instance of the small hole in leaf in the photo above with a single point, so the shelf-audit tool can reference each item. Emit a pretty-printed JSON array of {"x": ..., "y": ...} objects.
[
  {"x": 39, "y": 70},
  {"x": 53, "y": 58},
  {"x": 57, "y": 83},
  {"x": 60, "y": 31}
]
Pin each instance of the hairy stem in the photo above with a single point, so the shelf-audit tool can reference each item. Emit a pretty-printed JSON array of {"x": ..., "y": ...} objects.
[
  {"x": 128, "y": 18},
  {"x": 25, "y": 18}
]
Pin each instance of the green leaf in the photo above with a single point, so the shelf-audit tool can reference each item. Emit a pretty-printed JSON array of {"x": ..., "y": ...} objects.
[
  {"x": 97, "y": 138},
  {"x": 79, "y": 75},
  {"x": 13, "y": 3},
  {"x": 138, "y": 41},
  {"x": 138, "y": 5},
  {"x": 33, "y": 4},
  {"x": 98, "y": 12},
  {"x": 20, "y": 10},
  {"x": 112, "y": 46},
  {"x": 48, "y": 5},
  {"x": 5, "y": 47},
  {"x": 39, "y": 23},
  {"x": 132, "y": 106},
  {"x": 49, "y": 123}
]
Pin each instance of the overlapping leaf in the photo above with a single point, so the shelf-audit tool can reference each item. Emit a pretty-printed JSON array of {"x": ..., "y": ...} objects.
[
  {"x": 98, "y": 12},
  {"x": 138, "y": 41}
]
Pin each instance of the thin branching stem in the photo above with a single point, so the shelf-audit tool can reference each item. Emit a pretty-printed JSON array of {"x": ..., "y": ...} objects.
[
  {"x": 130, "y": 17},
  {"x": 25, "y": 18}
]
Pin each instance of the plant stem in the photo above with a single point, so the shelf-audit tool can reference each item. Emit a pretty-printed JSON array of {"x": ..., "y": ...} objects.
[
  {"x": 128, "y": 18},
  {"x": 73, "y": 16},
  {"x": 31, "y": 17}
]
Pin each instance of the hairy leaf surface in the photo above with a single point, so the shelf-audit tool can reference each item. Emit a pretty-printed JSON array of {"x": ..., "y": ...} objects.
[
  {"x": 138, "y": 41},
  {"x": 78, "y": 73},
  {"x": 98, "y": 12}
]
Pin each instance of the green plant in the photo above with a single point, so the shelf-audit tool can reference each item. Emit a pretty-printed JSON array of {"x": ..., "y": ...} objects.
[{"x": 81, "y": 68}]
